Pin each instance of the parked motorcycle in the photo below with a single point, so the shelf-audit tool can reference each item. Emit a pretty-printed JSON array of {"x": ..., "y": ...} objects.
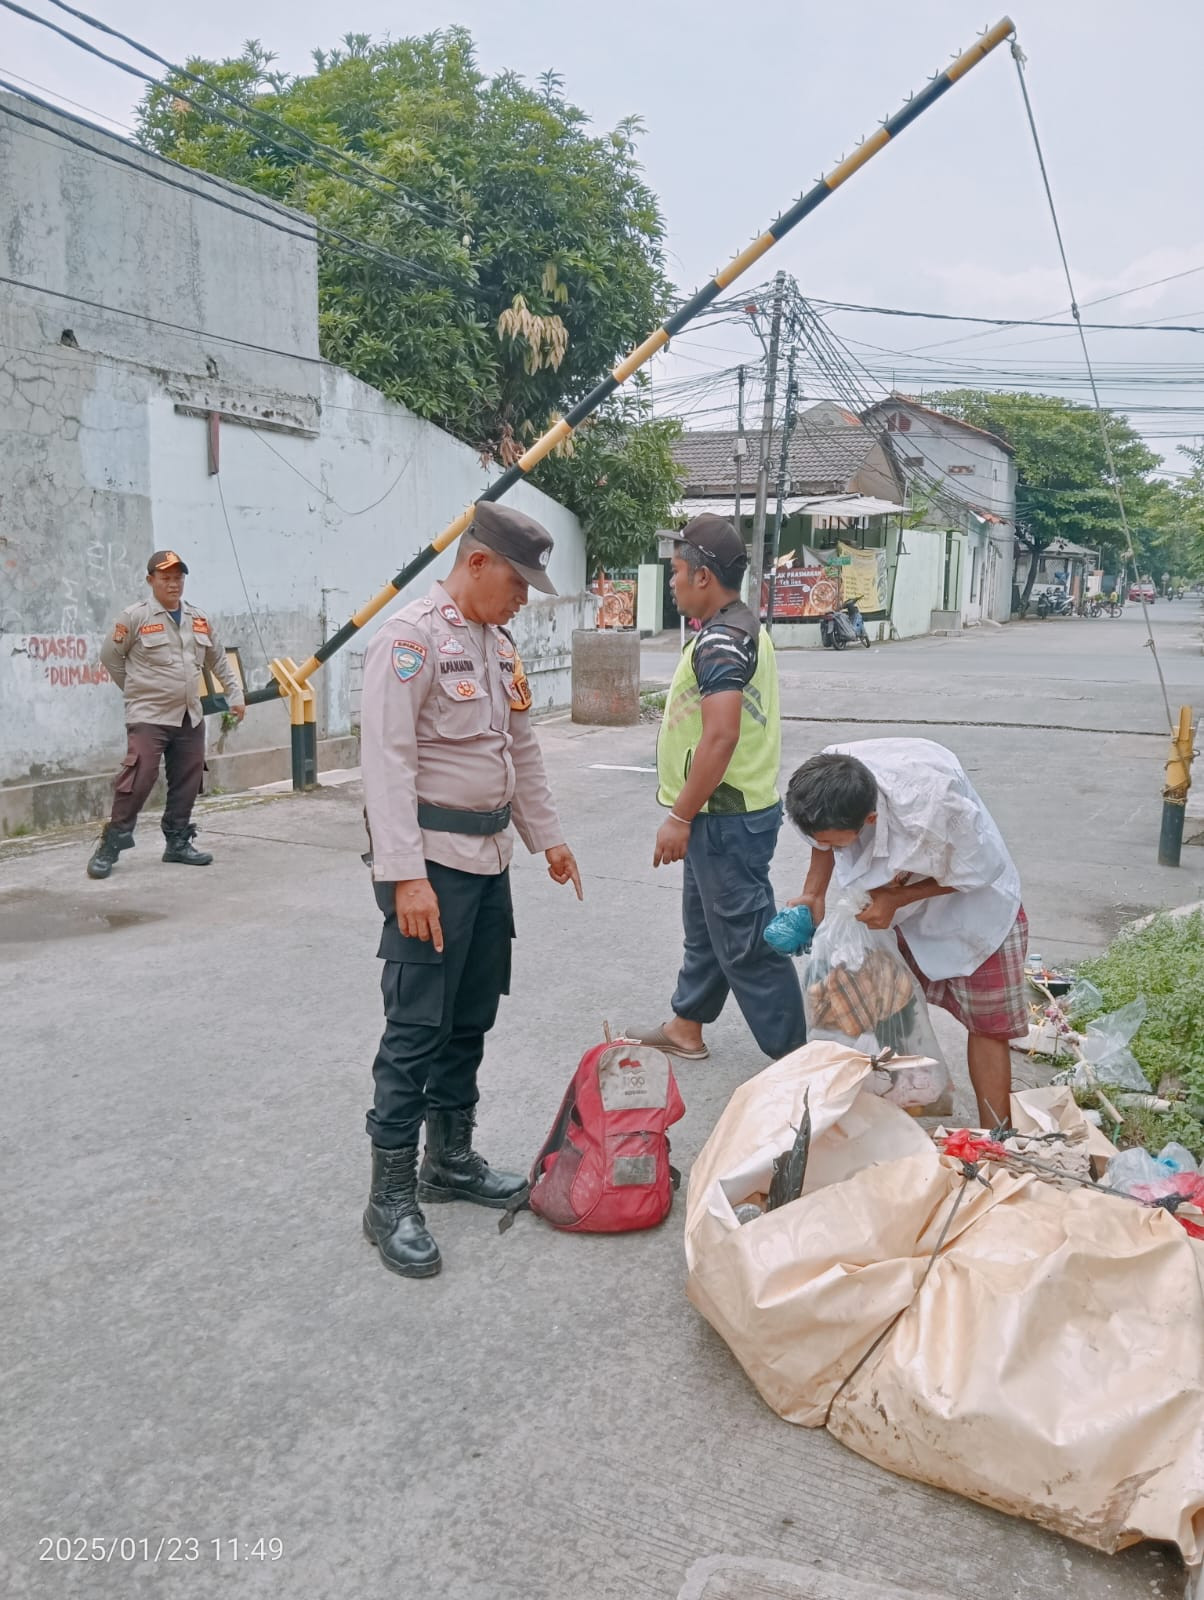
[
  {"x": 853, "y": 612},
  {"x": 836, "y": 630},
  {"x": 1054, "y": 603}
]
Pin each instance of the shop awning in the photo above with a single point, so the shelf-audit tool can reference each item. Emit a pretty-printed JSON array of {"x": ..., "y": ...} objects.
[{"x": 828, "y": 505}]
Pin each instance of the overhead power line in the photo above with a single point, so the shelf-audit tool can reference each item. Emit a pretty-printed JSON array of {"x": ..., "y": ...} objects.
[
  {"x": 340, "y": 241},
  {"x": 306, "y": 155},
  {"x": 1006, "y": 322}
]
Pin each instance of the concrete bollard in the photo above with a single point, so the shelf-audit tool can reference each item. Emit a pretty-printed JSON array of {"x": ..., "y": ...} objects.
[{"x": 606, "y": 677}]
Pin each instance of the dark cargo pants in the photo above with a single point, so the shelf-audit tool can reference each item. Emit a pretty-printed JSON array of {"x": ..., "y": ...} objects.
[
  {"x": 727, "y": 904},
  {"x": 439, "y": 1006},
  {"x": 182, "y": 750}
]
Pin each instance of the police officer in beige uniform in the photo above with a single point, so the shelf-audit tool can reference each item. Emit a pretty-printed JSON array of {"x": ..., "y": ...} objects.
[
  {"x": 154, "y": 655},
  {"x": 449, "y": 761}
]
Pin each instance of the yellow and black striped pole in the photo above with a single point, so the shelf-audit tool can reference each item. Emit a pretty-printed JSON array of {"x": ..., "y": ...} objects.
[{"x": 890, "y": 129}]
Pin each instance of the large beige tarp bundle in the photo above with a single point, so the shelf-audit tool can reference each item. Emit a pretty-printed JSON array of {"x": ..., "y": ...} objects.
[{"x": 1050, "y": 1364}]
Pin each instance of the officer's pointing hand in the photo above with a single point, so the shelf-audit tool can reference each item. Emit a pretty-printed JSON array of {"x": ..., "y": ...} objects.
[
  {"x": 418, "y": 911},
  {"x": 562, "y": 866}
]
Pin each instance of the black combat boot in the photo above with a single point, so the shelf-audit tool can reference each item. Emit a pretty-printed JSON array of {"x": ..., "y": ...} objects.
[
  {"x": 111, "y": 843},
  {"x": 180, "y": 847},
  {"x": 452, "y": 1169},
  {"x": 393, "y": 1222}
]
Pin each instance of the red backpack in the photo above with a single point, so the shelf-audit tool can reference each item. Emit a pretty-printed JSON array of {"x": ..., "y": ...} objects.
[{"x": 604, "y": 1168}]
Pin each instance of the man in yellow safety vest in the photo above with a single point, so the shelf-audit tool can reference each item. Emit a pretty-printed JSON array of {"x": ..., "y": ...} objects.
[{"x": 718, "y": 756}]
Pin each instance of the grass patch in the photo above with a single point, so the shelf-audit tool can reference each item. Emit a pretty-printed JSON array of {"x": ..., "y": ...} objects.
[{"x": 1164, "y": 963}]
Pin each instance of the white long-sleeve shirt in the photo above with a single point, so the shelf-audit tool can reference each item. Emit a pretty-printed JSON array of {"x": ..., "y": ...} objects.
[{"x": 931, "y": 823}]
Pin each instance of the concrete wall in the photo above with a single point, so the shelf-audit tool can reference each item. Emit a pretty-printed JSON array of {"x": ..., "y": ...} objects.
[
  {"x": 315, "y": 506},
  {"x": 919, "y": 581}
]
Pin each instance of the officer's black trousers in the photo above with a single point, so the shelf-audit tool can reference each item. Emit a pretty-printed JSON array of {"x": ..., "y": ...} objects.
[{"x": 439, "y": 1007}]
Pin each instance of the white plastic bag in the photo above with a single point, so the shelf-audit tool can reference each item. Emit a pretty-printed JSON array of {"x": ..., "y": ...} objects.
[
  {"x": 1105, "y": 1048},
  {"x": 1083, "y": 999},
  {"x": 1132, "y": 1167},
  {"x": 1175, "y": 1158},
  {"x": 858, "y": 991}
]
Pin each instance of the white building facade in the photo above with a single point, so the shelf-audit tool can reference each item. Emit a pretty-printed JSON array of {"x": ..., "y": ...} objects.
[{"x": 964, "y": 480}]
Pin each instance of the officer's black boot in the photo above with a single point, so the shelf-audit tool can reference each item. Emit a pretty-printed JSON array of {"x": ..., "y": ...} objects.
[
  {"x": 452, "y": 1169},
  {"x": 393, "y": 1222},
  {"x": 180, "y": 847},
  {"x": 111, "y": 843}
]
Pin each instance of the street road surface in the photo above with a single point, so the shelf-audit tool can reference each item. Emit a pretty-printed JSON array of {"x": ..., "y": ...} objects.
[{"x": 198, "y": 1345}]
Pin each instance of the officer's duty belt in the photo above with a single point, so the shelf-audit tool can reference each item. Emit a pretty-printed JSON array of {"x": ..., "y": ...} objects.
[{"x": 442, "y": 819}]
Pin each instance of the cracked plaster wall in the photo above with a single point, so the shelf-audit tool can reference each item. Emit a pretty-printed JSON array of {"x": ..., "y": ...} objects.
[{"x": 98, "y": 466}]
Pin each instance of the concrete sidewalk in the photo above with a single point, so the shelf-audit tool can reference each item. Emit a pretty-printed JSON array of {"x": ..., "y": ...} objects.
[{"x": 199, "y": 1345}]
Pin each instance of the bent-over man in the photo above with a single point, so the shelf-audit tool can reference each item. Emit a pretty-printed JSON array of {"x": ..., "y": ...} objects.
[{"x": 899, "y": 819}]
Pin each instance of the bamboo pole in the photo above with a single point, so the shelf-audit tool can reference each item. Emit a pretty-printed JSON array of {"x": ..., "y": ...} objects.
[{"x": 916, "y": 105}]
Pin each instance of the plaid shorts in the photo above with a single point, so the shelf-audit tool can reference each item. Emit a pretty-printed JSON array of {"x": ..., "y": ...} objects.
[{"x": 993, "y": 1001}]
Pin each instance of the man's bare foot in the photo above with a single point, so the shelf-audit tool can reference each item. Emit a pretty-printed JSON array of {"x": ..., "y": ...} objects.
[
  {"x": 684, "y": 1033},
  {"x": 676, "y": 1037}
]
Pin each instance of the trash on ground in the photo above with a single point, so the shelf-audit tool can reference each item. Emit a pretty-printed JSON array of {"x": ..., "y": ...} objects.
[
  {"x": 1047, "y": 978},
  {"x": 978, "y": 1317},
  {"x": 1105, "y": 1048}
]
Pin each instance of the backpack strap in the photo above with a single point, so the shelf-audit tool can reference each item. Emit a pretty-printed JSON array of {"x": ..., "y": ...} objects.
[{"x": 522, "y": 1200}]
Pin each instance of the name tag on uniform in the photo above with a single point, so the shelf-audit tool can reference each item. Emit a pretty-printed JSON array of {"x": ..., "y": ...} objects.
[
  {"x": 459, "y": 667},
  {"x": 151, "y": 627}
]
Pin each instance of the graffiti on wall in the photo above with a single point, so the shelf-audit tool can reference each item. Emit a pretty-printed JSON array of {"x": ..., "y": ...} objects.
[{"x": 64, "y": 658}]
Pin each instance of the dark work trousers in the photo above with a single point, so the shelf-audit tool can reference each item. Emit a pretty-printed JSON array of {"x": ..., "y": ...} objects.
[
  {"x": 727, "y": 904},
  {"x": 183, "y": 751},
  {"x": 439, "y": 1007}
]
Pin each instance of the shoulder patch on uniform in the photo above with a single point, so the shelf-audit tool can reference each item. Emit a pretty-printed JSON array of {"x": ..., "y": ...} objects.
[
  {"x": 520, "y": 689},
  {"x": 152, "y": 627},
  {"x": 200, "y": 624},
  {"x": 120, "y": 633},
  {"x": 408, "y": 658},
  {"x": 449, "y": 613}
]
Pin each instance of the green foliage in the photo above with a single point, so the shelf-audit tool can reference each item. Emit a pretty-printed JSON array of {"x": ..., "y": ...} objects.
[
  {"x": 503, "y": 206},
  {"x": 621, "y": 480},
  {"x": 1163, "y": 962},
  {"x": 1171, "y": 537},
  {"x": 1064, "y": 489}
]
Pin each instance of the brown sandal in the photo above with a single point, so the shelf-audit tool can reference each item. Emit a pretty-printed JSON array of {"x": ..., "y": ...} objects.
[{"x": 657, "y": 1039}]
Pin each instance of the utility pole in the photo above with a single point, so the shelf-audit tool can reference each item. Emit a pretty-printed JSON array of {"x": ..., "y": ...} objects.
[
  {"x": 756, "y": 563},
  {"x": 741, "y": 445},
  {"x": 788, "y": 422}
]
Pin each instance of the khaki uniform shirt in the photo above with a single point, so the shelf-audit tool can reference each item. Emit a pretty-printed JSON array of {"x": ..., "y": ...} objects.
[
  {"x": 441, "y": 722},
  {"x": 157, "y": 663}
]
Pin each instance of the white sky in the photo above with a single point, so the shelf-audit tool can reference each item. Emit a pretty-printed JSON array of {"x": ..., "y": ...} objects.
[{"x": 745, "y": 107}]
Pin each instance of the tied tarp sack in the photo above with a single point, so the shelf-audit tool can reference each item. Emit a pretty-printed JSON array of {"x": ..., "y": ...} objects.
[
  {"x": 859, "y": 991},
  {"x": 1036, "y": 1349}
]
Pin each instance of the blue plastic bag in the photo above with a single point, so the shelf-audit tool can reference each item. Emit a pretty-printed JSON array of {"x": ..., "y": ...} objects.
[{"x": 791, "y": 931}]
